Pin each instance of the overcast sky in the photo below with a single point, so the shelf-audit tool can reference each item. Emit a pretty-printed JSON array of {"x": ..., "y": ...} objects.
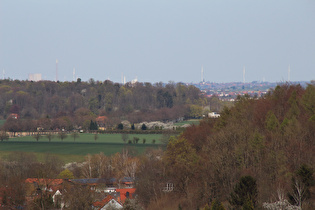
[{"x": 162, "y": 40}]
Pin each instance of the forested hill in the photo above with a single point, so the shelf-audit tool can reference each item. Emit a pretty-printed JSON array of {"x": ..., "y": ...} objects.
[
  {"x": 135, "y": 102},
  {"x": 259, "y": 151}
]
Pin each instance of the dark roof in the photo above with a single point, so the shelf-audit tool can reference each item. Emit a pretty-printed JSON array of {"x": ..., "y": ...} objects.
[
  {"x": 90, "y": 181},
  {"x": 127, "y": 179}
]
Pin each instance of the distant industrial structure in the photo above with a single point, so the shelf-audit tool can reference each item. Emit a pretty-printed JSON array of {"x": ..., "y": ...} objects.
[
  {"x": 73, "y": 74},
  {"x": 244, "y": 74},
  {"x": 202, "y": 74},
  {"x": 56, "y": 70},
  {"x": 134, "y": 81},
  {"x": 35, "y": 77},
  {"x": 123, "y": 79}
]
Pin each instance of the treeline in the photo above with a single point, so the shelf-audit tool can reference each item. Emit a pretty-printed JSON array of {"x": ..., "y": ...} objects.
[
  {"x": 258, "y": 152},
  {"x": 76, "y": 100}
]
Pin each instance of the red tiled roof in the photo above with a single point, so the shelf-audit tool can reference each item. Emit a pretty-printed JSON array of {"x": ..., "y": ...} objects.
[
  {"x": 128, "y": 182},
  {"x": 51, "y": 182},
  {"x": 13, "y": 116},
  {"x": 103, "y": 202},
  {"x": 124, "y": 191},
  {"x": 101, "y": 118}
]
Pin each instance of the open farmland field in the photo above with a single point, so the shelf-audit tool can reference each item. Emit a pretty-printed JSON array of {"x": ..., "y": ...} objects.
[
  {"x": 72, "y": 148},
  {"x": 89, "y": 138},
  {"x": 68, "y": 150}
]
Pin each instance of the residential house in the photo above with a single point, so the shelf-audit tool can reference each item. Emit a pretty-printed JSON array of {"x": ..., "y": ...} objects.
[
  {"x": 108, "y": 203},
  {"x": 35, "y": 188},
  {"x": 126, "y": 193},
  {"x": 101, "y": 122},
  {"x": 105, "y": 189},
  {"x": 13, "y": 116},
  {"x": 57, "y": 199}
]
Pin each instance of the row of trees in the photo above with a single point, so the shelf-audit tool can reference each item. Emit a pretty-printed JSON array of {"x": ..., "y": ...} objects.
[
  {"x": 254, "y": 150},
  {"x": 26, "y": 165},
  {"x": 36, "y": 100}
]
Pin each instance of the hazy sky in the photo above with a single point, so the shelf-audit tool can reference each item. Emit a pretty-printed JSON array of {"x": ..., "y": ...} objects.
[{"x": 162, "y": 40}]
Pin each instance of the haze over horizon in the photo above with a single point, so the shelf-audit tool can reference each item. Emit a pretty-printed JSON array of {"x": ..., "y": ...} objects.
[{"x": 158, "y": 41}]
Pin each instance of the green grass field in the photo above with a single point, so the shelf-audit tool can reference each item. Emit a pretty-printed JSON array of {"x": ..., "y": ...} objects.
[
  {"x": 72, "y": 148},
  {"x": 89, "y": 138},
  {"x": 69, "y": 150},
  {"x": 193, "y": 121}
]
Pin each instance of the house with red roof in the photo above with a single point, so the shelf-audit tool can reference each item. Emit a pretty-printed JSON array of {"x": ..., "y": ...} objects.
[
  {"x": 101, "y": 122},
  {"x": 114, "y": 199},
  {"x": 36, "y": 187},
  {"x": 50, "y": 185},
  {"x": 13, "y": 116},
  {"x": 126, "y": 193},
  {"x": 109, "y": 202}
]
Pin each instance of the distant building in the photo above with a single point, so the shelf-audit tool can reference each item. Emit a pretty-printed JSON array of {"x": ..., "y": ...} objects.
[
  {"x": 101, "y": 122},
  {"x": 35, "y": 77},
  {"x": 13, "y": 116},
  {"x": 109, "y": 202},
  {"x": 133, "y": 82},
  {"x": 213, "y": 115}
]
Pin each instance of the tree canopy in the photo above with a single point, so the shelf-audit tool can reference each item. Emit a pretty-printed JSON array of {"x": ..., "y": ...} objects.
[{"x": 254, "y": 150}]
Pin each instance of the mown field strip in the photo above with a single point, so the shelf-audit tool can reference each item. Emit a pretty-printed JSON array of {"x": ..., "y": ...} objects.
[
  {"x": 76, "y": 148},
  {"x": 90, "y": 138}
]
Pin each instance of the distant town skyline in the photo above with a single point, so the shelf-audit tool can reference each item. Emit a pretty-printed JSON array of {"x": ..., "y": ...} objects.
[
  {"x": 39, "y": 77},
  {"x": 158, "y": 41}
]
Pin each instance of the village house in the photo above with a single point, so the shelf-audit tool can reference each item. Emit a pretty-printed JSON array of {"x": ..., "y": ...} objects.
[
  {"x": 101, "y": 122},
  {"x": 108, "y": 203},
  {"x": 109, "y": 195}
]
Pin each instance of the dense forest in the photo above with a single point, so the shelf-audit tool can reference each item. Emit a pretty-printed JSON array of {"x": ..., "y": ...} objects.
[
  {"x": 257, "y": 153},
  {"x": 70, "y": 104}
]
